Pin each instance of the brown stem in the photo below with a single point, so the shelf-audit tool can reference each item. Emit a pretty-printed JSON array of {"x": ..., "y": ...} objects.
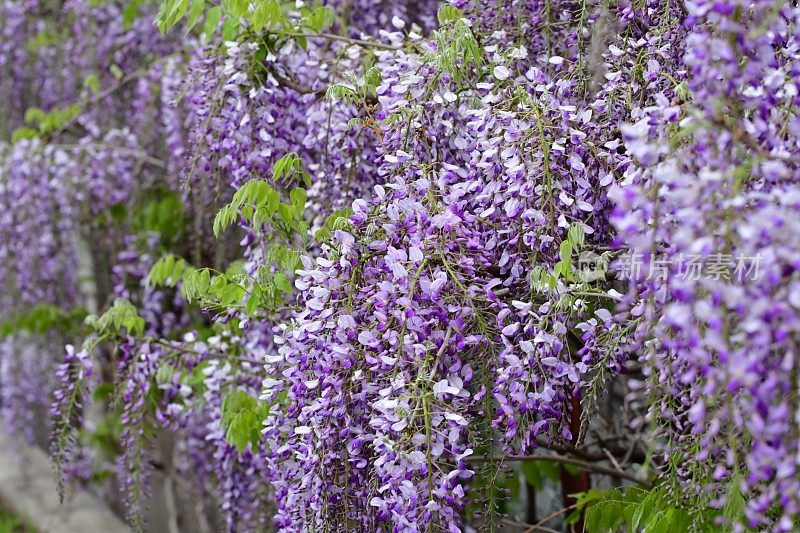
[
  {"x": 590, "y": 467},
  {"x": 538, "y": 526},
  {"x": 574, "y": 483}
]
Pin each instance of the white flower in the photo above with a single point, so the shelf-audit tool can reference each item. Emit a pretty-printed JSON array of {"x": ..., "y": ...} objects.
[
  {"x": 444, "y": 387},
  {"x": 501, "y": 72}
]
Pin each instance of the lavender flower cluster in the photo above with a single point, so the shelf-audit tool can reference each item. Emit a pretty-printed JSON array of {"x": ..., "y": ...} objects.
[{"x": 720, "y": 353}]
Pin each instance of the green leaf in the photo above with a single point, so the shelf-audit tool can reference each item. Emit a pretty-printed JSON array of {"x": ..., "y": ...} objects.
[
  {"x": 591, "y": 520},
  {"x": 286, "y": 167},
  {"x": 242, "y": 417},
  {"x": 252, "y": 306},
  {"x": 273, "y": 200},
  {"x": 212, "y": 21},
  {"x": 131, "y": 13},
  {"x": 247, "y": 212},
  {"x": 231, "y": 294},
  {"x": 319, "y": 19},
  {"x": 565, "y": 265},
  {"x": 612, "y": 513},
  {"x": 634, "y": 498},
  {"x": 298, "y": 197},
  {"x": 644, "y": 511},
  {"x": 42, "y": 318},
  {"x": 662, "y": 522},
  {"x": 260, "y": 17},
  {"x": 178, "y": 11},
  {"x": 372, "y": 78},
  {"x": 116, "y": 72},
  {"x": 576, "y": 236},
  {"x": 23, "y": 133},
  {"x": 164, "y": 374},
  {"x": 283, "y": 283},
  {"x": 286, "y": 213},
  {"x": 164, "y": 214},
  {"x": 103, "y": 392},
  {"x": 194, "y": 14},
  {"x": 170, "y": 13},
  {"x": 603, "y": 510},
  {"x": 34, "y": 115},
  {"x": 268, "y": 13},
  {"x": 536, "y": 472},
  {"x": 92, "y": 82},
  {"x": 230, "y": 29},
  {"x": 122, "y": 317},
  {"x": 237, "y": 8},
  {"x": 341, "y": 92},
  {"x": 565, "y": 251},
  {"x": 734, "y": 503},
  {"x": 337, "y": 220},
  {"x": 167, "y": 271},
  {"x": 448, "y": 13}
]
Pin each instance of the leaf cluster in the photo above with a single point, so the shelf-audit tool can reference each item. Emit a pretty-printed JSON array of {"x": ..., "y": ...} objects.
[
  {"x": 635, "y": 509},
  {"x": 120, "y": 319},
  {"x": 242, "y": 415},
  {"x": 41, "y": 123},
  {"x": 42, "y": 318},
  {"x": 252, "y": 16},
  {"x": 457, "y": 49}
]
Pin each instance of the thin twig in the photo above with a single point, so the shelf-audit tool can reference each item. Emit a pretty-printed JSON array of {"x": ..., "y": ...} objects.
[
  {"x": 108, "y": 91},
  {"x": 596, "y": 295},
  {"x": 295, "y": 86},
  {"x": 597, "y": 469},
  {"x": 539, "y": 526},
  {"x": 529, "y": 526},
  {"x": 341, "y": 38},
  {"x": 439, "y": 354},
  {"x": 612, "y": 459},
  {"x": 138, "y": 154},
  {"x": 441, "y": 351}
]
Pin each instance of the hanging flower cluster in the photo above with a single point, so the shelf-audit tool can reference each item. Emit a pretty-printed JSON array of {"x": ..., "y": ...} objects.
[
  {"x": 447, "y": 317},
  {"x": 722, "y": 212}
]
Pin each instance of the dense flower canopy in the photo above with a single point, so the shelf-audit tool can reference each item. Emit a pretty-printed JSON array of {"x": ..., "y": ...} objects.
[{"x": 370, "y": 263}]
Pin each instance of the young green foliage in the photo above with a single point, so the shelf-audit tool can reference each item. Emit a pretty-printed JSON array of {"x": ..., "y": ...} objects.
[
  {"x": 568, "y": 247},
  {"x": 167, "y": 271},
  {"x": 336, "y": 220},
  {"x": 318, "y": 19},
  {"x": 448, "y": 13},
  {"x": 537, "y": 473},
  {"x": 257, "y": 202},
  {"x": 120, "y": 319},
  {"x": 359, "y": 91},
  {"x": 241, "y": 419},
  {"x": 635, "y": 509},
  {"x": 163, "y": 215},
  {"x": 41, "y": 319},
  {"x": 457, "y": 49},
  {"x": 42, "y": 123},
  {"x": 254, "y": 15}
]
